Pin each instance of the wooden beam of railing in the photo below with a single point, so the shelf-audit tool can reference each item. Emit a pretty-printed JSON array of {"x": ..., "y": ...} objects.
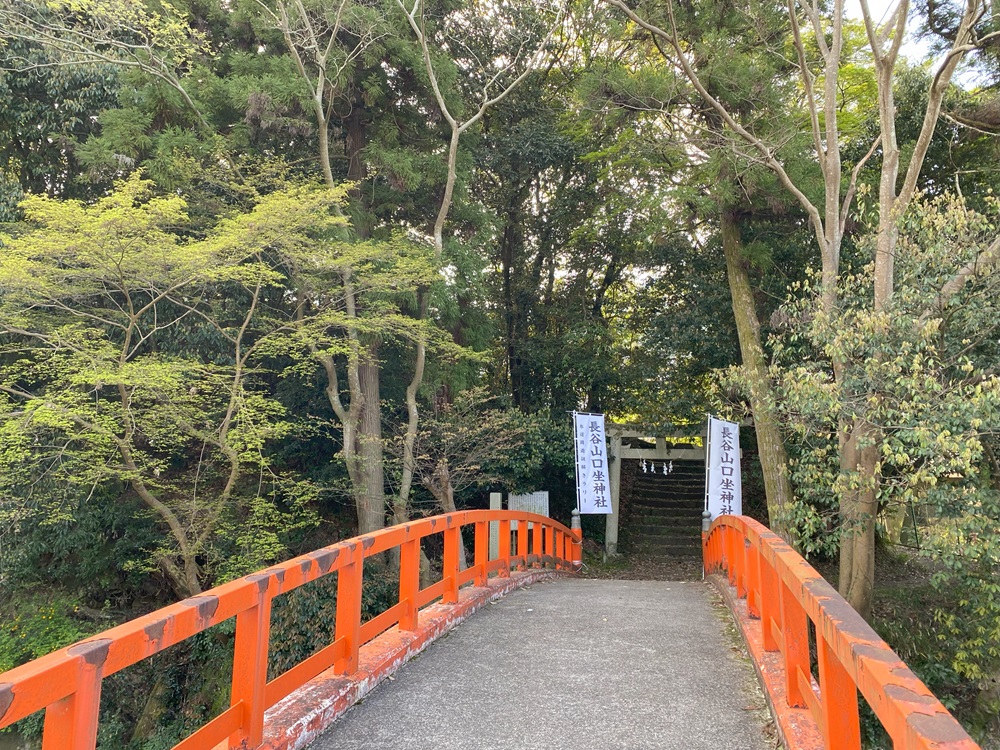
[
  {"x": 785, "y": 593},
  {"x": 66, "y": 684}
]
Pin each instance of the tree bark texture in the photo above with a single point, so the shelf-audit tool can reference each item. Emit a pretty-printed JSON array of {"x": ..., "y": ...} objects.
[
  {"x": 440, "y": 486},
  {"x": 370, "y": 497},
  {"x": 770, "y": 446},
  {"x": 858, "y": 512}
]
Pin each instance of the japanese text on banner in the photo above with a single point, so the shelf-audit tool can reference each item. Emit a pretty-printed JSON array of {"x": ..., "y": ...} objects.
[
  {"x": 724, "y": 490},
  {"x": 593, "y": 491}
]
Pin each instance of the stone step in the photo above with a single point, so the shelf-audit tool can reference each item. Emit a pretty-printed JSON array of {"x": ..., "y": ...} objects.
[
  {"x": 679, "y": 502},
  {"x": 679, "y": 471},
  {"x": 676, "y": 550},
  {"x": 655, "y": 515},
  {"x": 663, "y": 532},
  {"x": 678, "y": 533},
  {"x": 656, "y": 502},
  {"x": 675, "y": 519},
  {"x": 651, "y": 488},
  {"x": 659, "y": 476},
  {"x": 672, "y": 519},
  {"x": 677, "y": 489},
  {"x": 667, "y": 481},
  {"x": 660, "y": 479},
  {"x": 669, "y": 489},
  {"x": 685, "y": 530},
  {"x": 680, "y": 525},
  {"x": 659, "y": 502}
]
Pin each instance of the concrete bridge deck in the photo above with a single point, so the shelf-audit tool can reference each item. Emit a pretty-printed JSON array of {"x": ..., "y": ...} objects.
[{"x": 573, "y": 664}]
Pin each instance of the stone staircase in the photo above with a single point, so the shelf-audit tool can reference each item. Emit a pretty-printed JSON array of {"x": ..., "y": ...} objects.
[{"x": 665, "y": 517}]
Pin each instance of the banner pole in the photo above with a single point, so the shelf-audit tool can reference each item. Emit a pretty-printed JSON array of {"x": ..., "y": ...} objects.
[
  {"x": 706, "y": 515},
  {"x": 708, "y": 455},
  {"x": 576, "y": 464}
]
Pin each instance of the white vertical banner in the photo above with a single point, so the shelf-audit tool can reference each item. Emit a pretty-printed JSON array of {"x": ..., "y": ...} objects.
[
  {"x": 593, "y": 487},
  {"x": 724, "y": 488}
]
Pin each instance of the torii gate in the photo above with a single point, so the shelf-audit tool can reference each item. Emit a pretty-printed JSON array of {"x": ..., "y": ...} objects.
[{"x": 616, "y": 432}]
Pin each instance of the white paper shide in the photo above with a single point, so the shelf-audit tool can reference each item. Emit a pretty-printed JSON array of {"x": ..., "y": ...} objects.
[
  {"x": 593, "y": 490},
  {"x": 723, "y": 490}
]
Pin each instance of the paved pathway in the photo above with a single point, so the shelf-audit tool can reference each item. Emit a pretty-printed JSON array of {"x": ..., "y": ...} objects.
[{"x": 575, "y": 665}]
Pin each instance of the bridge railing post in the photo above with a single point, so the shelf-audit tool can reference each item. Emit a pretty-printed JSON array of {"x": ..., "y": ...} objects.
[
  {"x": 453, "y": 538},
  {"x": 720, "y": 548},
  {"x": 409, "y": 583},
  {"x": 577, "y": 529},
  {"x": 348, "y": 620},
  {"x": 71, "y": 723},
  {"x": 723, "y": 559},
  {"x": 537, "y": 546},
  {"x": 841, "y": 725},
  {"x": 734, "y": 551},
  {"x": 482, "y": 551},
  {"x": 795, "y": 646},
  {"x": 522, "y": 543},
  {"x": 768, "y": 602},
  {"x": 504, "y": 550},
  {"x": 712, "y": 551},
  {"x": 706, "y": 552},
  {"x": 253, "y": 627},
  {"x": 749, "y": 577},
  {"x": 742, "y": 544}
]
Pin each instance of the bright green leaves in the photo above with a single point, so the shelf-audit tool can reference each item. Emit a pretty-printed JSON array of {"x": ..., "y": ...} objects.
[
  {"x": 162, "y": 30},
  {"x": 129, "y": 356},
  {"x": 124, "y": 236},
  {"x": 38, "y": 627}
]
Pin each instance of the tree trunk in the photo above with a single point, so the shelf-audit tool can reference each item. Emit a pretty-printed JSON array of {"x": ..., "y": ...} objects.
[
  {"x": 450, "y": 508},
  {"x": 770, "y": 446},
  {"x": 370, "y": 488},
  {"x": 153, "y": 710},
  {"x": 440, "y": 486},
  {"x": 511, "y": 242},
  {"x": 370, "y": 492},
  {"x": 858, "y": 510},
  {"x": 895, "y": 522}
]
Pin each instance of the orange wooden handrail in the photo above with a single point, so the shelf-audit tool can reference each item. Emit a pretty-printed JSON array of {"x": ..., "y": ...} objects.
[
  {"x": 67, "y": 683},
  {"x": 784, "y": 592}
]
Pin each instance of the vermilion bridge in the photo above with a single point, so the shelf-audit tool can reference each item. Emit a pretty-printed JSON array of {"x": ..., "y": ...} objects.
[{"x": 581, "y": 667}]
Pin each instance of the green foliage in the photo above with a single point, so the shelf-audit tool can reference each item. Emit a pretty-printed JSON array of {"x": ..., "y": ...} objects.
[
  {"x": 543, "y": 460},
  {"x": 456, "y": 447},
  {"x": 968, "y": 546},
  {"x": 302, "y": 622},
  {"x": 922, "y": 372},
  {"x": 105, "y": 382},
  {"x": 37, "y": 626},
  {"x": 45, "y": 107}
]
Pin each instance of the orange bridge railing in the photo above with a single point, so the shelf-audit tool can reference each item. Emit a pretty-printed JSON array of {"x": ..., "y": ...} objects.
[
  {"x": 67, "y": 683},
  {"x": 783, "y": 595}
]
